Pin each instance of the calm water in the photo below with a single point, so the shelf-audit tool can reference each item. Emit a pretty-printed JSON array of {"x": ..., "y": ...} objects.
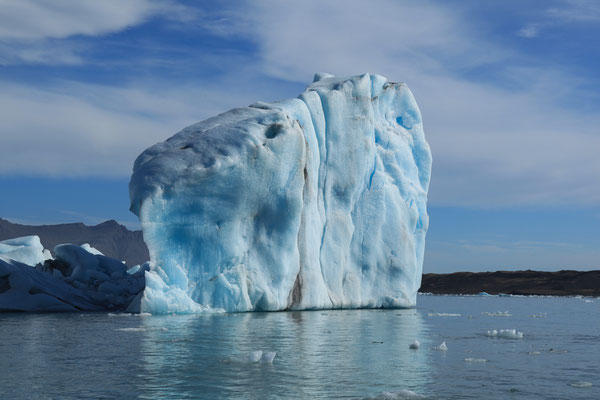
[{"x": 321, "y": 354}]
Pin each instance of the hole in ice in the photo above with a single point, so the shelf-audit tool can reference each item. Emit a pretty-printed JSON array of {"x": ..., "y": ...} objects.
[{"x": 273, "y": 131}]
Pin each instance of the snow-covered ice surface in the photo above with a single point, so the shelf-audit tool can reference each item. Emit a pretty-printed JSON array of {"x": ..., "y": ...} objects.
[
  {"x": 80, "y": 278},
  {"x": 26, "y": 250},
  {"x": 309, "y": 203}
]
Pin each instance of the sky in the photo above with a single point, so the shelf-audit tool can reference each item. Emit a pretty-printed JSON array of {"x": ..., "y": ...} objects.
[{"x": 509, "y": 92}]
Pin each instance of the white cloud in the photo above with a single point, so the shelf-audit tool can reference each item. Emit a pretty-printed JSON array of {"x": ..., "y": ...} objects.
[
  {"x": 529, "y": 31},
  {"x": 90, "y": 130},
  {"x": 576, "y": 11},
  {"x": 33, "y": 20},
  {"x": 494, "y": 144},
  {"x": 40, "y": 32}
]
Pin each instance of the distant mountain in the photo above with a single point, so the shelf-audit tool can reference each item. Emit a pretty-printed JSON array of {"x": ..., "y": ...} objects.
[{"x": 111, "y": 238}]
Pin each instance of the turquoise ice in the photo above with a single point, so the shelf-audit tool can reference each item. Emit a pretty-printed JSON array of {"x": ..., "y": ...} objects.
[{"x": 309, "y": 203}]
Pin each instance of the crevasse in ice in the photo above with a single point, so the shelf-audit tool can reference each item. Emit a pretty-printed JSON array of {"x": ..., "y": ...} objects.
[{"x": 309, "y": 203}]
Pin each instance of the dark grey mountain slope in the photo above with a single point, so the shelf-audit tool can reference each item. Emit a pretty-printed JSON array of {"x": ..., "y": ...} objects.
[{"x": 111, "y": 238}]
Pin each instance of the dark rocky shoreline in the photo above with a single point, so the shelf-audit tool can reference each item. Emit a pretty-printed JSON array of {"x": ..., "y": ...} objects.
[{"x": 559, "y": 283}]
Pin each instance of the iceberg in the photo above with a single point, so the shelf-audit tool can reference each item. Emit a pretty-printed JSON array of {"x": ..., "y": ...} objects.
[
  {"x": 79, "y": 278},
  {"x": 316, "y": 202}
]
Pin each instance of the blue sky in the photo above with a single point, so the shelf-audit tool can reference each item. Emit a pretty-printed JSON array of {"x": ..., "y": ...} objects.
[{"x": 509, "y": 92}]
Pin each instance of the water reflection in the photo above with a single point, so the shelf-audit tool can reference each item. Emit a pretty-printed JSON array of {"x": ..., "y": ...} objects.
[{"x": 320, "y": 354}]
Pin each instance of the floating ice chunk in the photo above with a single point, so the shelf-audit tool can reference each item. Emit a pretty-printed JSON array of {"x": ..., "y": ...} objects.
[
  {"x": 400, "y": 395},
  {"x": 505, "y": 334},
  {"x": 442, "y": 347},
  {"x": 27, "y": 250},
  {"x": 539, "y": 315},
  {"x": 138, "y": 329},
  {"x": 255, "y": 356},
  {"x": 582, "y": 384},
  {"x": 414, "y": 345},
  {"x": 267, "y": 357},
  {"x": 534, "y": 353},
  {"x": 497, "y": 314},
  {"x": 443, "y": 315},
  {"x": 76, "y": 280},
  {"x": 316, "y": 202},
  {"x": 475, "y": 360}
]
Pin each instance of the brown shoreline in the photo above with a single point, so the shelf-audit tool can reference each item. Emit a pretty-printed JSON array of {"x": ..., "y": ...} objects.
[{"x": 559, "y": 283}]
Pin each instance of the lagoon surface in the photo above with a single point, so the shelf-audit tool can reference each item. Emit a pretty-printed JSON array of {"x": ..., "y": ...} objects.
[{"x": 351, "y": 354}]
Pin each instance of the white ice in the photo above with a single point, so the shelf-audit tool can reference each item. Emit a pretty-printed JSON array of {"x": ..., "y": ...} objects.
[
  {"x": 309, "y": 203},
  {"x": 27, "y": 250},
  {"x": 505, "y": 334},
  {"x": 442, "y": 347}
]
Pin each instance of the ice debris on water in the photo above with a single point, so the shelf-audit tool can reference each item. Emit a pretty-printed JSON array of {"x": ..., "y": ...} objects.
[
  {"x": 443, "y": 315},
  {"x": 400, "y": 395},
  {"x": 414, "y": 345},
  {"x": 264, "y": 357},
  {"x": 497, "y": 314},
  {"x": 475, "y": 360},
  {"x": 582, "y": 384},
  {"x": 442, "y": 347},
  {"x": 505, "y": 334},
  {"x": 316, "y": 202}
]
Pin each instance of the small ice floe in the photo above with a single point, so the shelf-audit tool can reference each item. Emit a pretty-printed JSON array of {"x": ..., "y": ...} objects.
[
  {"x": 475, "y": 360},
  {"x": 534, "y": 353},
  {"x": 259, "y": 356},
  {"x": 138, "y": 329},
  {"x": 558, "y": 351},
  {"x": 539, "y": 315},
  {"x": 483, "y": 294},
  {"x": 437, "y": 314},
  {"x": 582, "y": 384},
  {"x": 414, "y": 345},
  {"x": 505, "y": 334},
  {"x": 589, "y": 301},
  {"x": 401, "y": 395},
  {"x": 441, "y": 347},
  {"x": 497, "y": 314}
]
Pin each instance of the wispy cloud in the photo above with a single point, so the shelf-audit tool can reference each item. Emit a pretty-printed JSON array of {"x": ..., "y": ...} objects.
[
  {"x": 567, "y": 13},
  {"x": 37, "y": 32},
  {"x": 508, "y": 140},
  {"x": 530, "y": 31}
]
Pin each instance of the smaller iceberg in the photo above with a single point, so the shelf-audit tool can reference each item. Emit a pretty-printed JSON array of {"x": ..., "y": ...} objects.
[
  {"x": 505, "y": 334},
  {"x": 79, "y": 278}
]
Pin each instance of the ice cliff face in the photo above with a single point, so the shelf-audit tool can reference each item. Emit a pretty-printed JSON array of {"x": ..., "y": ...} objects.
[{"x": 308, "y": 203}]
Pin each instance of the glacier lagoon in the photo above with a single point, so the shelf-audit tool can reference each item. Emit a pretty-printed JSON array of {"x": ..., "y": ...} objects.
[
  {"x": 350, "y": 354},
  {"x": 316, "y": 202}
]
